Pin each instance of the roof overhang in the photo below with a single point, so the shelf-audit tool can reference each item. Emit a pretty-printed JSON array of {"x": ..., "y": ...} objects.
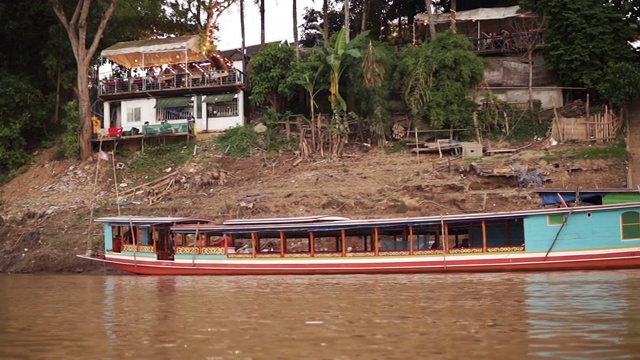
[
  {"x": 479, "y": 14},
  {"x": 156, "y": 52}
]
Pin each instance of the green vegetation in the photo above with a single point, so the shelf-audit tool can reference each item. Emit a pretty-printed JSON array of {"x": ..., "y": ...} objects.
[
  {"x": 243, "y": 141},
  {"x": 617, "y": 151},
  {"x": 158, "y": 158},
  {"x": 598, "y": 57},
  {"x": 238, "y": 141}
]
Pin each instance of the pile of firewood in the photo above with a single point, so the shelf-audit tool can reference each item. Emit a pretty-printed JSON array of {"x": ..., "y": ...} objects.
[
  {"x": 573, "y": 109},
  {"x": 160, "y": 188}
]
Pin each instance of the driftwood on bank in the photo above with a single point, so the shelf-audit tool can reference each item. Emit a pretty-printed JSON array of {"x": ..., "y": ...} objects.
[{"x": 156, "y": 190}]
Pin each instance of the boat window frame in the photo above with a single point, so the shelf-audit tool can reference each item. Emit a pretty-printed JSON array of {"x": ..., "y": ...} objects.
[
  {"x": 623, "y": 225},
  {"x": 551, "y": 223}
]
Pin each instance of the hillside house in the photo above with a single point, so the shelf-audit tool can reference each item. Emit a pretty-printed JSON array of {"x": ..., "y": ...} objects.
[
  {"x": 504, "y": 36},
  {"x": 168, "y": 82}
]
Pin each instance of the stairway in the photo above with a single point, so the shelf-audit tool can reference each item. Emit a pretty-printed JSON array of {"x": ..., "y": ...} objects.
[{"x": 633, "y": 143}]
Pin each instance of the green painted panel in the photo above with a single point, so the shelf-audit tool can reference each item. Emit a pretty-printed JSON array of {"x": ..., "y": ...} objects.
[
  {"x": 619, "y": 198},
  {"x": 176, "y": 102}
]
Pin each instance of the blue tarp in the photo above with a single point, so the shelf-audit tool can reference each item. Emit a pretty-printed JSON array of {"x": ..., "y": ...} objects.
[{"x": 553, "y": 199}]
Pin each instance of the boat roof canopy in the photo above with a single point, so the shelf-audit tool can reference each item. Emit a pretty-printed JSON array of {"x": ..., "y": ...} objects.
[
  {"x": 149, "y": 220},
  {"x": 329, "y": 226},
  {"x": 285, "y": 220}
]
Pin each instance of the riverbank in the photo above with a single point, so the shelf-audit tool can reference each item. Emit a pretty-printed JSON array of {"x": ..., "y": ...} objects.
[{"x": 45, "y": 212}]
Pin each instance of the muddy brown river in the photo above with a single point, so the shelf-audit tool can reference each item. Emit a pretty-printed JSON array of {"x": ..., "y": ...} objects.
[{"x": 569, "y": 315}]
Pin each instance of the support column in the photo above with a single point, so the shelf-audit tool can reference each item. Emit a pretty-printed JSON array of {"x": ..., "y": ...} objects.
[
  {"x": 484, "y": 236},
  {"x": 343, "y": 239},
  {"x": 254, "y": 240},
  {"x": 446, "y": 238},
  {"x": 376, "y": 244},
  {"x": 410, "y": 240},
  {"x": 312, "y": 244},
  {"x": 283, "y": 243}
]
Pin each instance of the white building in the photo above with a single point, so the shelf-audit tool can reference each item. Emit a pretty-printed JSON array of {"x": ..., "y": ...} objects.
[{"x": 172, "y": 82}]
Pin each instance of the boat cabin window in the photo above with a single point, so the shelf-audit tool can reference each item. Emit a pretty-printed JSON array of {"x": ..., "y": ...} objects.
[
  {"x": 557, "y": 219},
  {"x": 630, "y": 225}
]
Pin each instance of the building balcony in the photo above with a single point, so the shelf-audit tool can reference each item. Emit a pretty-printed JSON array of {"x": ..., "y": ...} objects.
[
  {"x": 517, "y": 43},
  {"x": 171, "y": 84}
]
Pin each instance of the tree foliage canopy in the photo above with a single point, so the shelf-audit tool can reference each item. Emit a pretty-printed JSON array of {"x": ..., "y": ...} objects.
[
  {"x": 270, "y": 76},
  {"x": 439, "y": 75},
  {"x": 588, "y": 43}
]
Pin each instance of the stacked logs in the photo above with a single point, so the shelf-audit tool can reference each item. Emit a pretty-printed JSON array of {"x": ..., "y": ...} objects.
[{"x": 156, "y": 190}]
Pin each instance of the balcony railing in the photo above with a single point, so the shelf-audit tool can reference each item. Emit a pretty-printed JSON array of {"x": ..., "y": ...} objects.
[
  {"x": 162, "y": 82},
  {"x": 517, "y": 42}
]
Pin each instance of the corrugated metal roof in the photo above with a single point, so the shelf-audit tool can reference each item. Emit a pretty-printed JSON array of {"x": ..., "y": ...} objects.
[
  {"x": 476, "y": 14},
  {"x": 137, "y": 220},
  {"x": 382, "y": 223}
]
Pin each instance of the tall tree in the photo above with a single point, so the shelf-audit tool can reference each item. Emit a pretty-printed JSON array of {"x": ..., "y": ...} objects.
[
  {"x": 295, "y": 29},
  {"x": 243, "y": 35},
  {"x": 346, "y": 20},
  {"x": 432, "y": 24},
  {"x": 598, "y": 55},
  {"x": 325, "y": 18},
  {"x": 262, "y": 32},
  {"x": 77, "y": 27}
]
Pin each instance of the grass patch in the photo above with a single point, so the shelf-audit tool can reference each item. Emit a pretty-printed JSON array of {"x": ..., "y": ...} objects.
[
  {"x": 618, "y": 151},
  {"x": 158, "y": 158}
]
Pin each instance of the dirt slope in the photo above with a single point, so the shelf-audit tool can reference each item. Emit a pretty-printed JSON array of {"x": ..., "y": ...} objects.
[{"x": 45, "y": 212}]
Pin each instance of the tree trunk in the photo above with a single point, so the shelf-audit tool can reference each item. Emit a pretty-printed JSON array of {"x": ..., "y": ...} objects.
[
  {"x": 432, "y": 25},
  {"x": 453, "y": 15},
  {"x": 530, "y": 60},
  {"x": 84, "y": 103},
  {"x": 295, "y": 29},
  {"x": 325, "y": 19},
  {"x": 262, "y": 40},
  {"x": 346, "y": 19},
  {"x": 243, "y": 36},
  {"x": 365, "y": 10},
  {"x": 76, "y": 28}
]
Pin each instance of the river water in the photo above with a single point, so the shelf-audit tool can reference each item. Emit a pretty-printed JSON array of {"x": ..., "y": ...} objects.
[{"x": 563, "y": 315}]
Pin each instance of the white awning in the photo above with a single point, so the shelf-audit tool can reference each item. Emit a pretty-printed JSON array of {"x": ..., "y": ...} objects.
[
  {"x": 476, "y": 14},
  {"x": 156, "y": 52}
]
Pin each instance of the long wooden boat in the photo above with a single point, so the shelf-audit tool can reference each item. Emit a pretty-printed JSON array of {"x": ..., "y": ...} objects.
[{"x": 589, "y": 237}]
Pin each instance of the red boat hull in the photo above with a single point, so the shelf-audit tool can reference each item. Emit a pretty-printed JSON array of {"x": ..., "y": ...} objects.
[{"x": 485, "y": 263}]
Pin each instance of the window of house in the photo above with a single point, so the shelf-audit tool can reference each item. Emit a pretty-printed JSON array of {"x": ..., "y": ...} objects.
[
  {"x": 133, "y": 115},
  {"x": 557, "y": 219},
  {"x": 630, "y": 225},
  {"x": 223, "y": 108}
]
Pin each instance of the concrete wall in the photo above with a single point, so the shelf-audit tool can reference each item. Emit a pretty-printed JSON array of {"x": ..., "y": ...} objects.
[{"x": 549, "y": 97}]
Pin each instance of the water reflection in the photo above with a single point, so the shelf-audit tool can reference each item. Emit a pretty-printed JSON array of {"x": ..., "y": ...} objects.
[{"x": 480, "y": 316}]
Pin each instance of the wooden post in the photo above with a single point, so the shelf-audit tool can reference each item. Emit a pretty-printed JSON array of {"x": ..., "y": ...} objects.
[
  {"x": 343, "y": 239},
  {"x": 376, "y": 245},
  {"x": 283, "y": 243},
  {"x": 476, "y": 125},
  {"x": 417, "y": 147},
  {"x": 484, "y": 236},
  {"x": 446, "y": 238},
  {"x": 254, "y": 240},
  {"x": 410, "y": 240},
  {"x": 312, "y": 244}
]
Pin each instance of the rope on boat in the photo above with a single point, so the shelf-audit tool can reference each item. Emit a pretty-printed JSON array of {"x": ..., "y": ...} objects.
[
  {"x": 444, "y": 247},
  {"x": 93, "y": 192},
  {"x": 133, "y": 238},
  {"x": 564, "y": 222}
]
